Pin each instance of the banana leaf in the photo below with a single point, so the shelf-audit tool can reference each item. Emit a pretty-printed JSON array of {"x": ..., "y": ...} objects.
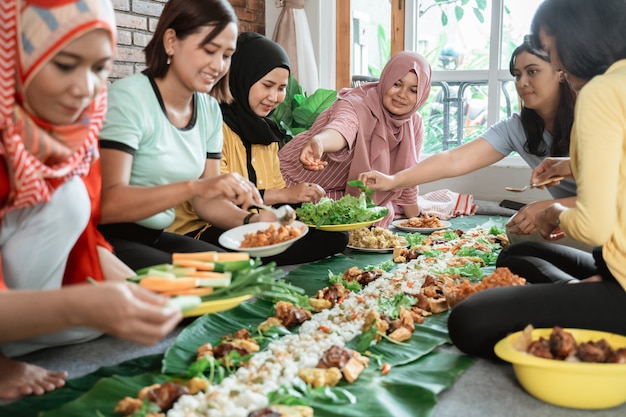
[
  {"x": 104, "y": 396},
  {"x": 406, "y": 391},
  {"x": 410, "y": 390},
  {"x": 209, "y": 329}
]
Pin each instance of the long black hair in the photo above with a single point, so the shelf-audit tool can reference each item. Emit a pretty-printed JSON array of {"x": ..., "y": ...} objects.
[
  {"x": 589, "y": 35},
  {"x": 534, "y": 125}
]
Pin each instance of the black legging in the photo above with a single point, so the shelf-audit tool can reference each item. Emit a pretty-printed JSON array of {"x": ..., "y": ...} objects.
[
  {"x": 539, "y": 262},
  {"x": 314, "y": 246},
  {"x": 477, "y": 323}
]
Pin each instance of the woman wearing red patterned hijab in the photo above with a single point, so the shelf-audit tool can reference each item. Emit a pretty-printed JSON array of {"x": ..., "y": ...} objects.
[{"x": 55, "y": 57}]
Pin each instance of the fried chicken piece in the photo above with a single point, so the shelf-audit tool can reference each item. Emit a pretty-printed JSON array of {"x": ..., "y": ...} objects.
[
  {"x": 373, "y": 319},
  {"x": 618, "y": 356},
  {"x": 164, "y": 396},
  {"x": 269, "y": 323},
  {"x": 336, "y": 293},
  {"x": 351, "y": 363},
  {"x": 290, "y": 315},
  {"x": 594, "y": 351},
  {"x": 319, "y": 304},
  {"x": 401, "y": 334},
  {"x": 128, "y": 406},
  {"x": 335, "y": 356},
  {"x": 204, "y": 350},
  {"x": 540, "y": 348},
  {"x": 562, "y": 343}
]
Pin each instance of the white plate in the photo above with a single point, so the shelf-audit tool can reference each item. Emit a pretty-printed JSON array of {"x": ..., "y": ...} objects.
[
  {"x": 232, "y": 238},
  {"x": 397, "y": 224}
]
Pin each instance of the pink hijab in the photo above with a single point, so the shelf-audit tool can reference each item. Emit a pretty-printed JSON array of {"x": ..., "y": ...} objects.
[{"x": 387, "y": 142}]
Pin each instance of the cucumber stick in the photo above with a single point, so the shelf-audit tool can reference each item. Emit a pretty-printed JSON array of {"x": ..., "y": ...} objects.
[{"x": 184, "y": 302}]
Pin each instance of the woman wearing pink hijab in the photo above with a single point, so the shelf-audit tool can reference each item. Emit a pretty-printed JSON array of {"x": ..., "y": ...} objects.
[{"x": 375, "y": 126}]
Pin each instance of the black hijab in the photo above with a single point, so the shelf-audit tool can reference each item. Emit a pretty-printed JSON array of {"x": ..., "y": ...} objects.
[{"x": 254, "y": 57}]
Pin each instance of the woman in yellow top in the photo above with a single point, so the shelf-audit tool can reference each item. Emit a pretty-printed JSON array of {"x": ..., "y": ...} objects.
[
  {"x": 259, "y": 73},
  {"x": 586, "y": 41}
]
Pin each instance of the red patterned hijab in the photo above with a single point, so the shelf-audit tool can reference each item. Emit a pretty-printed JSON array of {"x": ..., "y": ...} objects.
[{"x": 37, "y": 156}]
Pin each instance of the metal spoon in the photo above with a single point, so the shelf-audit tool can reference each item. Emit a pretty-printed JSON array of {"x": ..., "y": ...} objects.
[
  {"x": 284, "y": 214},
  {"x": 519, "y": 190}
]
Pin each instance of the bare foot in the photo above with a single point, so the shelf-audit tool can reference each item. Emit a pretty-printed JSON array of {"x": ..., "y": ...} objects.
[{"x": 18, "y": 379}]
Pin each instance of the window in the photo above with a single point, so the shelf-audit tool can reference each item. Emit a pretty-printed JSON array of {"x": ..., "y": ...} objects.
[{"x": 468, "y": 44}]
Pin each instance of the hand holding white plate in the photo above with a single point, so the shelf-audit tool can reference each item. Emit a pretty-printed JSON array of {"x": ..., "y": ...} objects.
[{"x": 232, "y": 238}]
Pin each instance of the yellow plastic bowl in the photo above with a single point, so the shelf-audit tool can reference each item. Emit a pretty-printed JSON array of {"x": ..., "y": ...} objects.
[{"x": 568, "y": 384}]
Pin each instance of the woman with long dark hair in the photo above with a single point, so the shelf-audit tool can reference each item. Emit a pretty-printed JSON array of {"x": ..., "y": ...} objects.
[
  {"x": 586, "y": 41},
  {"x": 161, "y": 141}
]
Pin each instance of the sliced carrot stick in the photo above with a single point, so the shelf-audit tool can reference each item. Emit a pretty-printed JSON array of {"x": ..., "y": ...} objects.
[
  {"x": 199, "y": 265},
  {"x": 232, "y": 256},
  {"x": 210, "y": 256},
  {"x": 207, "y": 274},
  {"x": 161, "y": 284},
  {"x": 191, "y": 291}
]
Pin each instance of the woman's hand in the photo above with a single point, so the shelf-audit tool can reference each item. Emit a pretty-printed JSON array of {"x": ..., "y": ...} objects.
[
  {"x": 304, "y": 193},
  {"x": 547, "y": 222},
  {"x": 126, "y": 311},
  {"x": 233, "y": 187},
  {"x": 311, "y": 155},
  {"x": 550, "y": 168},
  {"x": 523, "y": 223},
  {"x": 377, "y": 180}
]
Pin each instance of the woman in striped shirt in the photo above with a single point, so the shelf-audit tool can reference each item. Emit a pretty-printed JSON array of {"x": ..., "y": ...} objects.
[{"x": 372, "y": 127}]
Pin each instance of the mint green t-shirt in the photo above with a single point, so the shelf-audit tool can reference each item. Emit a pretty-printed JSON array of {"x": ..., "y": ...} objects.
[{"x": 163, "y": 153}]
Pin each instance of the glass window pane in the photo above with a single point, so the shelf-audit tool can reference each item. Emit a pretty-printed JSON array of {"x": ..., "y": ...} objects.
[
  {"x": 455, "y": 113},
  {"x": 515, "y": 24},
  {"x": 371, "y": 40},
  {"x": 455, "y": 35}
]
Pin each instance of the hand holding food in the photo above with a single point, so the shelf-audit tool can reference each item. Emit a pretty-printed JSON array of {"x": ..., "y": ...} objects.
[
  {"x": 231, "y": 186},
  {"x": 304, "y": 193},
  {"x": 377, "y": 180},
  {"x": 126, "y": 311},
  {"x": 551, "y": 168},
  {"x": 311, "y": 155},
  {"x": 523, "y": 222}
]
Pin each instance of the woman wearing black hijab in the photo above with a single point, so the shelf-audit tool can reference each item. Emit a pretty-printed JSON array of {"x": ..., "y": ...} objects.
[{"x": 259, "y": 73}]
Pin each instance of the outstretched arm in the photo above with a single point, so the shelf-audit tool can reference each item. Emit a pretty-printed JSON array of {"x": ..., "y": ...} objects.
[{"x": 458, "y": 161}]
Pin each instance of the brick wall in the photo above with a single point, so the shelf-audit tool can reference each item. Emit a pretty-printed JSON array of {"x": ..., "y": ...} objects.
[{"x": 136, "y": 20}]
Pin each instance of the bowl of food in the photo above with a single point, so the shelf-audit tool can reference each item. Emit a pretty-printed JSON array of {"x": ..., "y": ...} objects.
[
  {"x": 263, "y": 239},
  {"x": 563, "y": 373}
]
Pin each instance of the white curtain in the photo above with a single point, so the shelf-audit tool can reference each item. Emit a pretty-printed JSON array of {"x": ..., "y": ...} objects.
[{"x": 292, "y": 33}]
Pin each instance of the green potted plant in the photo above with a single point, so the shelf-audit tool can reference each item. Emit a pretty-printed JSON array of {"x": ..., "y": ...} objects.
[{"x": 298, "y": 111}]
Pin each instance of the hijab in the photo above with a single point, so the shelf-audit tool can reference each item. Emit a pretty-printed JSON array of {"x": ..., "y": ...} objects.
[
  {"x": 37, "y": 156},
  {"x": 254, "y": 57},
  {"x": 387, "y": 142}
]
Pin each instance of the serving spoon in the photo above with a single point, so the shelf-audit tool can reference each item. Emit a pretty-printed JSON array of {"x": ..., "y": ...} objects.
[
  {"x": 539, "y": 184},
  {"x": 284, "y": 214}
]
